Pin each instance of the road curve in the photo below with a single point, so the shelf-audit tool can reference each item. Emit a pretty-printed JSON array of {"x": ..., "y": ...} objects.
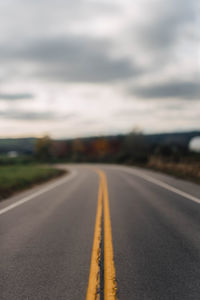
[{"x": 47, "y": 237}]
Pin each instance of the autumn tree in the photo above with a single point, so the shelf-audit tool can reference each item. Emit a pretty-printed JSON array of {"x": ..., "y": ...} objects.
[
  {"x": 58, "y": 149},
  {"x": 101, "y": 147}
]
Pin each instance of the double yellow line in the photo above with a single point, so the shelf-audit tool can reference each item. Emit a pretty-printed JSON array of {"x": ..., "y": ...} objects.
[{"x": 93, "y": 291}]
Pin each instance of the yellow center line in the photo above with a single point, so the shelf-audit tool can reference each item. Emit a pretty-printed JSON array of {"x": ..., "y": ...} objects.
[
  {"x": 94, "y": 277},
  {"x": 110, "y": 286}
]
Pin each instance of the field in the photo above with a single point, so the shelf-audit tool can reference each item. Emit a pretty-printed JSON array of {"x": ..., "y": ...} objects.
[{"x": 18, "y": 177}]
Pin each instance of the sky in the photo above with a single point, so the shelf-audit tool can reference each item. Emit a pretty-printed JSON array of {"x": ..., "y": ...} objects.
[{"x": 98, "y": 67}]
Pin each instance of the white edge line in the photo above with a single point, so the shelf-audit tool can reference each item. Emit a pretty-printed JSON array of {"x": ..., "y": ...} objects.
[
  {"x": 163, "y": 185},
  {"x": 46, "y": 189}
]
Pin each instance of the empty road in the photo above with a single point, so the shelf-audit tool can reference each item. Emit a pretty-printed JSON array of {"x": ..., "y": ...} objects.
[{"x": 102, "y": 232}]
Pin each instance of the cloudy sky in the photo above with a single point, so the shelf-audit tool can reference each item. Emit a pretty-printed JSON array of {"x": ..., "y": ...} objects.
[{"x": 90, "y": 67}]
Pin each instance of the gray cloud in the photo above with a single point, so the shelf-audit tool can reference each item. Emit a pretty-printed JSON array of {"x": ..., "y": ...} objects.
[
  {"x": 83, "y": 58},
  {"x": 171, "y": 89},
  {"x": 50, "y": 41},
  {"x": 72, "y": 58},
  {"x": 16, "y": 96},
  {"x": 34, "y": 116},
  {"x": 167, "y": 24}
]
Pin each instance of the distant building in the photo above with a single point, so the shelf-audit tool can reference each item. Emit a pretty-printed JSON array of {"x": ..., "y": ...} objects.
[{"x": 12, "y": 154}]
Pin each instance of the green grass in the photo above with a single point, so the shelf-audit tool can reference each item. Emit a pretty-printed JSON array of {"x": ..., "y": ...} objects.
[{"x": 18, "y": 177}]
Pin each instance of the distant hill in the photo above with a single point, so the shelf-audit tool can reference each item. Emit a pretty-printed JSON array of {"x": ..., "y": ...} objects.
[
  {"x": 21, "y": 145},
  {"x": 178, "y": 138},
  {"x": 26, "y": 145}
]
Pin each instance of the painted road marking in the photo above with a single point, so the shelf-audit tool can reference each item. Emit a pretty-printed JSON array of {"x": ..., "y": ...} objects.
[
  {"x": 94, "y": 277},
  {"x": 46, "y": 189},
  {"x": 162, "y": 184},
  {"x": 110, "y": 287}
]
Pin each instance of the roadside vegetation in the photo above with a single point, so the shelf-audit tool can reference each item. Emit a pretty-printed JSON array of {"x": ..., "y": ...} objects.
[
  {"x": 17, "y": 177},
  {"x": 185, "y": 169},
  {"x": 22, "y": 161},
  {"x": 165, "y": 153}
]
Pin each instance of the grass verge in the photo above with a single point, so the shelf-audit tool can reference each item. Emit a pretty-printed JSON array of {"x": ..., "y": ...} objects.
[{"x": 18, "y": 177}]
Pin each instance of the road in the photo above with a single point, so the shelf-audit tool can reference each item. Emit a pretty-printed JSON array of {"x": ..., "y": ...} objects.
[{"x": 144, "y": 227}]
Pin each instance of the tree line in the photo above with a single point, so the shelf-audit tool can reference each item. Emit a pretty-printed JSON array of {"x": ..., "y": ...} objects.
[{"x": 133, "y": 148}]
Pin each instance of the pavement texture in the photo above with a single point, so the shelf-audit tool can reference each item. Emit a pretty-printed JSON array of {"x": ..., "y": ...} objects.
[{"x": 46, "y": 242}]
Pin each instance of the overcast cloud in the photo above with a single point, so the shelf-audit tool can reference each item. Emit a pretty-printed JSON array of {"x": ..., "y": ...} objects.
[
  {"x": 91, "y": 67},
  {"x": 17, "y": 96},
  {"x": 188, "y": 90}
]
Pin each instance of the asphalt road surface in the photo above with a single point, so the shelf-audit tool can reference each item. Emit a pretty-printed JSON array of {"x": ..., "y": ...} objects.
[{"x": 149, "y": 229}]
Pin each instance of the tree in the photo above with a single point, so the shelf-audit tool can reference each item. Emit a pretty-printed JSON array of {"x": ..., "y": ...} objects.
[
  {"x": 101, "y": 147},
  {"x": 43, "y": 148},
  {"x": 58, "y": 149},
  {"x": 136, "y": 147}
]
